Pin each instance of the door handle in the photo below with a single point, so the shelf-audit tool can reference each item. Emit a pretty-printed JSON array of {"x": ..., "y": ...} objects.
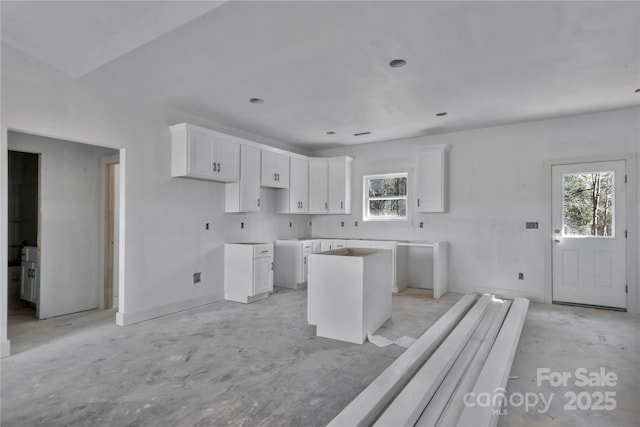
[
  {"x": 557, "y": 237},
  {"x": 305, "y": 260}
]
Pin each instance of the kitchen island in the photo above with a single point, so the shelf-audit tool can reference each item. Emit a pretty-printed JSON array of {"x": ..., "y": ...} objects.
[{"x": 349, "y": 292}]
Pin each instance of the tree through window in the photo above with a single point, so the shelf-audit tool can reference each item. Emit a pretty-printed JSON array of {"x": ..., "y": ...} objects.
[
  {"x": 588, "y": 204},
  {"x": 385, "y": 197}
]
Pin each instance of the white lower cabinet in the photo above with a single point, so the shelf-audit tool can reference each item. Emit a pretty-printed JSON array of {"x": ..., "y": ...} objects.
[
  {"x": 248, "y": 271},
  {"x": 332, "y": 244},
  {"x": 292, "y": 262}
]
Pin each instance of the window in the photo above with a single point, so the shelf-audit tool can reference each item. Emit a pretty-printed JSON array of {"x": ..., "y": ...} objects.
[
  {"x": 385, "y": 197},
  {"x": 587, "y": 209}
]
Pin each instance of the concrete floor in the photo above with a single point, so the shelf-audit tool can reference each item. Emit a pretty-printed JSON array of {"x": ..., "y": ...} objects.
[{"x": 260, "y": 364}]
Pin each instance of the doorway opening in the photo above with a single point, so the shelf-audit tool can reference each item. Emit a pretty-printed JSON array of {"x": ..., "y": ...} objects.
[
  {"x": 63, "y": 255},
  {"x": 23, "y": 236},
  {"x": 111, "y": 233}
]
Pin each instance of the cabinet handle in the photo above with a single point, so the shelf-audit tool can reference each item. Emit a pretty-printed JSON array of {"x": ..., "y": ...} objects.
[
  {"x": 341, "y": 205},
  {"x": 418, "y": 202},
  {"x": 219, "y": 167},
  {"x": 272, "y": 266},
  {"x": 326, "y": 205},
  {"x": 275, "y": 176},
  {"x": 258, "y": 202},
  {"x": 278, "y": 175}
]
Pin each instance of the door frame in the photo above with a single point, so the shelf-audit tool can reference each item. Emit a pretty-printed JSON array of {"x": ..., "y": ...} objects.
[
  {"x": 631, "y": 219},
  {"x": 104, "y": 162}
]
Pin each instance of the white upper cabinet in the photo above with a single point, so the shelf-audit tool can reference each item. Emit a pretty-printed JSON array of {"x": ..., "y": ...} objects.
[
  {"x": 340, "y": 185},
  {"x": 274, "y": 170},
  {"x": 318, "y": 186},
  {"x": 295, "y": 199},
  {"x": 244, "y": 196},
  {"x": 432, "y": 179},
  {"x": 202, "y": 154}
]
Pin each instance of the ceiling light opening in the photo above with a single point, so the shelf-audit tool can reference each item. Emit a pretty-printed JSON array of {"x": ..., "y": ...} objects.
[
  {"x": 362, "y": 133},
  {"x": 444, "y": 113},
  {"x": 396, "y": 63},
  {"x": 256, "y": 101},
  {"x": 637, "y": 91}
]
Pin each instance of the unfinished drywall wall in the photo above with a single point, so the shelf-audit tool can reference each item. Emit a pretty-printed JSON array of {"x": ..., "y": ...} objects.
[
  {"x": 164, "y": 218},
  {"x": 70, "y": 221},
  {"x": 497, "y": 182}
]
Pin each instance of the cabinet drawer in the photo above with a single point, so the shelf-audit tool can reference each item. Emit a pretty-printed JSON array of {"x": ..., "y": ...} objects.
[{"x": 262, "y": 251}]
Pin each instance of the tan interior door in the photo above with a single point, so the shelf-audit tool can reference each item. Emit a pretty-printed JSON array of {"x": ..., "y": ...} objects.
[
  {"x": 589, "y": 233},
  {"x": 109, "y": 235}
]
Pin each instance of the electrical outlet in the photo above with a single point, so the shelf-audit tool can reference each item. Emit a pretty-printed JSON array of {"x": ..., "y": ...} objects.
[
  {"x": 242, "y": 225},
  {"x": 355, "y": 223},
  {"x": 520, "y": 276},
  {"x": 342, "y": 224},
  {"x": 533, "y": 225},
  {"x": 197, "y": 278},
  {"x": 421, "y": 224},
  {"x": 309, "y": 223},
  {"x": 206, "y": 226},
  {"x": 290, "y": 224}
]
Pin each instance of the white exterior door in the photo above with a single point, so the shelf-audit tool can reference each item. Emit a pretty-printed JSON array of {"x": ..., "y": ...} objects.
[{"x": 589, "y": 232}]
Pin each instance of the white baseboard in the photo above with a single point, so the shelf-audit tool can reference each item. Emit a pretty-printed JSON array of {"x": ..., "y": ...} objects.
[
  {"x": 5, "y": 348},
  {"x": 125, "y": 319}
]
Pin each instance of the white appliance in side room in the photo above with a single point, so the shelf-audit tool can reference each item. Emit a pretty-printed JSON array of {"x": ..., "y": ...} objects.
[{"x": 28, "y": 279}]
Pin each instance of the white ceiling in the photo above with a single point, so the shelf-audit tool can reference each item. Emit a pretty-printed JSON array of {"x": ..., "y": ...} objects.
[{"x": 323, "y": 66}]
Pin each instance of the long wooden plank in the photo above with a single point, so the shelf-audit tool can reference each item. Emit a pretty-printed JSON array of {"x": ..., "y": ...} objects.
[
  {"x": 410, "y": 403},
  {"x": 454, "y": 407},
  {"x": 364, "y": 409},
  {"x": 439, "y": 401},
  {"x": 495, "y": 373}
]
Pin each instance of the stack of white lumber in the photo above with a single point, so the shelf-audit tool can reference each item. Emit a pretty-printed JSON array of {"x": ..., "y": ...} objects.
[{"x": 468, "y": 351}]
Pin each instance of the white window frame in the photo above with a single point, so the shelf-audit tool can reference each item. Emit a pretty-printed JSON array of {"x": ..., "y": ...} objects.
[{"x": 366, "y": 198}]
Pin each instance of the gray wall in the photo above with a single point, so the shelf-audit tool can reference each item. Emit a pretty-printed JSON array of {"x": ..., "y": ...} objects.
[{"x": 498, "y": 181}]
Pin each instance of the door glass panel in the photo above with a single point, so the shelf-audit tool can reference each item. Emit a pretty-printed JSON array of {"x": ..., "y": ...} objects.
[{"x": 588, "y": 204}]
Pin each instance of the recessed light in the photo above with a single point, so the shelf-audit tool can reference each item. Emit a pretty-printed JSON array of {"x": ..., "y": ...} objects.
[
  {"x": 637, "y": 91},
  {"x": 331, "y": 132},
  {"x": 397, "y": 63},
  {"x": 444, "y": 113},
  {"x": 361, "y": 133},
  {"x": 256, "y": 101}
]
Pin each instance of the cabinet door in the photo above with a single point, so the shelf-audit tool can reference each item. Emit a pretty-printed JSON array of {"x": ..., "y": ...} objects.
[
  {"x": 325, "y": 245},
  {"x": 226, "y": 156},
  {"x": 305, "y": 265},
  {"x": 340, "y": 185},
  {"x": 431, "y": 180},
  {"x": 282, "y": 169},
  {"x": 199, "y": 155},
  {"x": 299, "y": 186},
  {"x": 318, "y": 186},
  {"x": 249, "y": 179},
  {"x": 274, "y": 170},
  {"x": 262, "y": 275}
]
